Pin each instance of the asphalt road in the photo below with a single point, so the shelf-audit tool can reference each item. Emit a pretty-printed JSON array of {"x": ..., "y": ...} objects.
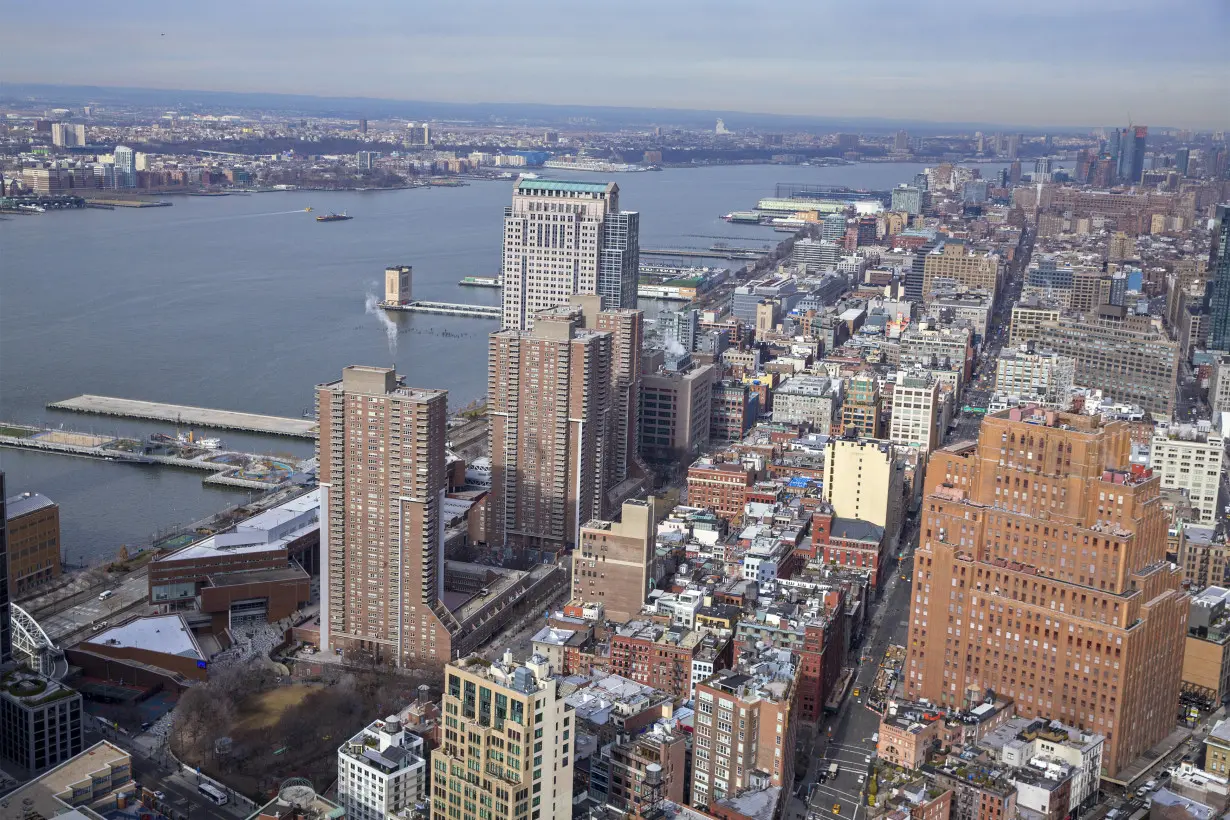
[
  {"x": 845, "y": 738},
  {"x": 158, "y": 773}
]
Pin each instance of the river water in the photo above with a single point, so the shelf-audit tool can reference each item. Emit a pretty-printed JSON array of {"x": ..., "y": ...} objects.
[{"x": 246, "y": 302}]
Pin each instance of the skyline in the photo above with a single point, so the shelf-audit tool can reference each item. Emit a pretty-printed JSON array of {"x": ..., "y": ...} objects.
[{"x": 1048, "y": 64}]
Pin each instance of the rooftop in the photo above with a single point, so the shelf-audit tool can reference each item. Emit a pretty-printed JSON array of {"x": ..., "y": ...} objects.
[
  {"x": 81, "y": 766},
  {"x": 530, "y": 185},
  {"x": 272, "y": 529},
  {"x": 168, "y": 634},
  {"x": 24, "y": 504},
  {"x": 760, "y": 804}
]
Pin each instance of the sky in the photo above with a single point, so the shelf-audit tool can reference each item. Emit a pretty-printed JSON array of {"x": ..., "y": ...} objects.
[{"x": 1023, "y": 62}]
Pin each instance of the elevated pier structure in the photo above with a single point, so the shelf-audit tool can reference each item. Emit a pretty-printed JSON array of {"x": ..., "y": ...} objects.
[{"x": 189, "y": 416}]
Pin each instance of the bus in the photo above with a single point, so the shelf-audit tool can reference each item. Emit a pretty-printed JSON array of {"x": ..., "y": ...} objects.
[{"x": 213, "y": 793}]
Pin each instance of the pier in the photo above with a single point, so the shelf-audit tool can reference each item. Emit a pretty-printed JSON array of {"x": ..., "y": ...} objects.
[
  {"x": 226, "y": 467},
  {"x": 189, "y": 416},
  {"x": 713, "y": 253},
  {"x": 481, "y": 282},
  {"x": 448, "y": 309}
]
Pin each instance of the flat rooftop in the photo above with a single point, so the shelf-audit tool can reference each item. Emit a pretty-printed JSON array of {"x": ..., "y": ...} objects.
[
  {"x": 272, "y": 529},
  {"x": 168, "y": 634},
  {"x": 82, "y": 766},
  {"x": 258, "y": 576}
]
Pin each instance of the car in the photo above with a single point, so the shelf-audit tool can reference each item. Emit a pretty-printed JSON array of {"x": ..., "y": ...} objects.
[
  {"x": 105, "y": 594},
  {"x": 875, "y": 737},
  {"x": 145, "y": 727},
  {"x": 867, "y": 759},
  {"x": 861, "y": 779},
  {"x": 836, "y": 808},
  {"x": 98, "y": 627},
  {"x": 855, "y": 692},
  {"x": 160, "y": 795}
]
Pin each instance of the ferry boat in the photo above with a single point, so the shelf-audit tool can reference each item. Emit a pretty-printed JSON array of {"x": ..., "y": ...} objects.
[
  {"x": 480, "y": 281},
  {"x": 334, "y": 217}
]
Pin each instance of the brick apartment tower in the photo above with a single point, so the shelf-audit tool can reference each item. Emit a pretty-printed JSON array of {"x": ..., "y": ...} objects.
[
  {"x": 562, "y": 405},
  {"x": 382, "y": 480},
  {"x": 1041, "y": 574},
  {"x": 562, "y": 239}
]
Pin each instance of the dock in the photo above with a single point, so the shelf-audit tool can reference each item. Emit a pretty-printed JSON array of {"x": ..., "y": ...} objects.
[
  {"x": 189, "y": 416},
  {"x": 448, "y": 309},
  {"x": 712, "y": 253},
  {"x": 226, "y": 467},
  {"x": 133, "y": 203}
]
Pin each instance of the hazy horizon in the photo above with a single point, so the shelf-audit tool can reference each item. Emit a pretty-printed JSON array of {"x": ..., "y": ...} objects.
[{"x": 1052, "y": 62}]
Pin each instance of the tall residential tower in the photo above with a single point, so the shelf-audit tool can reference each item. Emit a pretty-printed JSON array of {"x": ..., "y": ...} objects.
[
  {"x": 563, "y": 239},
  {"x": 382, "y": 481}
]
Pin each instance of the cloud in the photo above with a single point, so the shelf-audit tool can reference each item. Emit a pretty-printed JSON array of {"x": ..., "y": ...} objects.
[{"x": 1045, "y": 62}]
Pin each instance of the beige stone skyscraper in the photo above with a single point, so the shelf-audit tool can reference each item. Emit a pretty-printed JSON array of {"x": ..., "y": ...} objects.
[
  {"x": 558, "y": 395},
  {"x": 567, "y": 238},
  {"x": 1041, "y": 573},
  {"x": 382, "y": 480}
]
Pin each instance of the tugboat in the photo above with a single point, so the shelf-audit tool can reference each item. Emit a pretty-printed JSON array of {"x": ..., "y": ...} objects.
[{"x": 334, "y": 217}]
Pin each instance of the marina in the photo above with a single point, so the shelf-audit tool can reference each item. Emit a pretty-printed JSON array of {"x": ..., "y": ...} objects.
[
  {"x": 189, "y": 416},
  {"x": 226, "y": 467}
]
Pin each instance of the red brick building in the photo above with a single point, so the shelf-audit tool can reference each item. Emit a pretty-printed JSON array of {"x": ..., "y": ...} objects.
[{"x": 720, "y": 486}]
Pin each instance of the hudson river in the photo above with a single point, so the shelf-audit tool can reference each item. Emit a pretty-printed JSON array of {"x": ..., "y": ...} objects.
[{"x": 246, "y": 302}]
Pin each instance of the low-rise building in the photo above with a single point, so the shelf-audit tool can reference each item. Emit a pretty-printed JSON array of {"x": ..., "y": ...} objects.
[
  {"x": 662, "y": 656},
  {"x": 807, "y": 400},
  {"x": 1040, "y": 378},
  {"x": 34, "y": 541},
  {"x": 84, "y": 786},
  {"x": 381, "y": 771},
  {"x": 41, "y": 721},
  {"x": 1206, "y": 652},
  {"x": 719, "y": 486},
  {"x": 907, "y": 734}
]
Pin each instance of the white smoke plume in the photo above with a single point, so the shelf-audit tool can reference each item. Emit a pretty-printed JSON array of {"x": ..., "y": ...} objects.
[
  {"x": 372, "y": 308},
  {"x": 674, "y": 346}
]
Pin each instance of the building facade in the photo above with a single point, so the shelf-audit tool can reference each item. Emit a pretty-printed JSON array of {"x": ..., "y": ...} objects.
[
  {"x": 806, "y": 400},
  {"x": 563, "y": 408},
  {"x": 916, "y": 418},
  {"x": 40, "y": 721},
  {"x": 1217, "y": 299},
  {"x": 33, "y": 541},
  {"x": 507, "y": 745},
  {"x": 864, "y": 480},
  {"x": 382, "y": 482},
  {"x": 562, "y": 239},
  {"x": 863, "y": 408},
  {"x": 744, "y": 725},
  {"x": 1191, "y": 458},
  {"x": 613, "y": 563},
  {"x": 1044, "y": 378},
  {"x": 381, "y": 771},
  {"x": 952, "y": 263},
  {"x": 1042, "y": 531}
]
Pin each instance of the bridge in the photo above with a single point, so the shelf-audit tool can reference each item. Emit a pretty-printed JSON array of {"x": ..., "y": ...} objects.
[{"x": 32, "y": 643}]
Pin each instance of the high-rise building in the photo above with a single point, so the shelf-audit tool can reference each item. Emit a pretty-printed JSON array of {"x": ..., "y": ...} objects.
[
  {"x": 567, "y": 238},
  {"x": 67, "y": 134},
  {"x": 952, "y": 263},
  {"x": 917, "y": 413},
  {"x": 613, "y": 565},
  {"x": 560, "y": 397},
  {"x": 6, "y": 622},
  {"x": 1043, "y": 531},
  {"x": 508, "y": 743},
  {"x": 125, "y": 167},
  {"x": 676, "y": 406},
  {"x": 901, "y": 141},
  {"x": 876, "y": 493},
  {"x": 862, "y": 407},
  {"x": 907, "y": 198},
  {"x": 366, "y": 160},
  {"x": 362, "y": 126},
  {"x": 1129, "y": 359},
  {"x": 381, "y": 771},
  {"x": 1042, "y": 377},
  {"x": 382, "y": 482},
  {"x": 1217, "y": 298},
  {"x": 1131, "y": 158},
  {"x": 418, "y": 134},
  {"x": 1189, "y": 457},
  {"x": 745, "y": 727}
]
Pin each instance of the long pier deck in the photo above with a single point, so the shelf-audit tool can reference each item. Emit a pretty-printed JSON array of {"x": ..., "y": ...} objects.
[
  {"x": 189, "y": 416},
  {"x": 448, "y": 309}
]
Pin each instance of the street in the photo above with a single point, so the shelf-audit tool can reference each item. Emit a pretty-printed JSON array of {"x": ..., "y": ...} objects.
[{"x": 845, "y": 738}]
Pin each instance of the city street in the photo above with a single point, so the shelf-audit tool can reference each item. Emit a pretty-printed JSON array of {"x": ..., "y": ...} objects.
[{"x": 845, "y": 738}]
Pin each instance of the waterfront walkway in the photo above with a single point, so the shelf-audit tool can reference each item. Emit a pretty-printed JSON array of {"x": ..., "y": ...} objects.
[{"x": 189, "y": 416}]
